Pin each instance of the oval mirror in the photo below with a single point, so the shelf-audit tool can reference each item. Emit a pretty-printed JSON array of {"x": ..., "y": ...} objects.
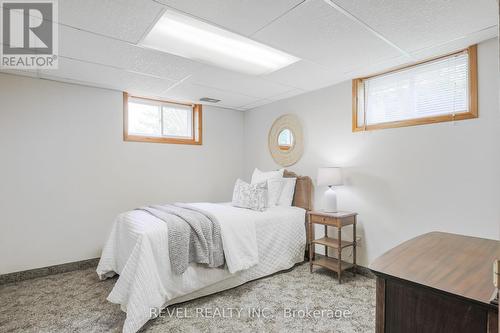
[{"x": 285, "y": 140}]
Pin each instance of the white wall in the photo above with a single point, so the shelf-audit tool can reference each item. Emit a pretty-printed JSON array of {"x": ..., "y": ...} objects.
[
  {"x": 65, "y": 172},
  {"x": 403, "y": 182}
]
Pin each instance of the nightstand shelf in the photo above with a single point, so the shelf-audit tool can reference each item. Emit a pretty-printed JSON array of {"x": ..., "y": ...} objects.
[
  {"x": 337, "y": 220},
  {"x": 331, "y": 263},
  {"x": 332, "y": 242}
]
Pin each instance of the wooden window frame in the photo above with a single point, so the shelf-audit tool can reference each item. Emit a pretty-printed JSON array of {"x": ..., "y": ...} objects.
[
  {"x": 470, "y": 114},
  {"x": 197, "y": 117}
]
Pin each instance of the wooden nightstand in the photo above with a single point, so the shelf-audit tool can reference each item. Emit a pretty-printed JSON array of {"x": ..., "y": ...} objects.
[{"x": 338, "y": 220}]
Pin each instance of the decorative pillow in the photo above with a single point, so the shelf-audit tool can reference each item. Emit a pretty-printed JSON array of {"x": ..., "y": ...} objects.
[
  {"x": 252, "y": 196},
  {"x": 274, "y": 189},
  {"x": 261, "y": 176},
  {"x": 286, "y": 197}
]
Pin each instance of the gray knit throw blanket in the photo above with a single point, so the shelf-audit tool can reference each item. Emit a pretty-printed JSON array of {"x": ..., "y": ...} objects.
[{"x": 193, "y": 235}]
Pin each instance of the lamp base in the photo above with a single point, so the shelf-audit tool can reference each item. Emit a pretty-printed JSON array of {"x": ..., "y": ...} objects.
[{"x": 330, "y": 201}]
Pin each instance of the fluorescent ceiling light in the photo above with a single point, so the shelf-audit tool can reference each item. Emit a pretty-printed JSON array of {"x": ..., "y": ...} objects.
[{"x": 194, "y": 39}]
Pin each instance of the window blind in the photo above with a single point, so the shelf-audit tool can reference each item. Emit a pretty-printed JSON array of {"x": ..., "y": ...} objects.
[{"x": 439, "y": 87}]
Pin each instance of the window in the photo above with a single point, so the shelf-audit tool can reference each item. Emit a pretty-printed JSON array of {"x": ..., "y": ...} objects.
[
  {"x": 442, "y": 89},
  {"x": 150, "y": 120}
]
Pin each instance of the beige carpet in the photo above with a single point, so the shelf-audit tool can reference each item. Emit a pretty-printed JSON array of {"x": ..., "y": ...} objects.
[{"x": 285, "y": 302}]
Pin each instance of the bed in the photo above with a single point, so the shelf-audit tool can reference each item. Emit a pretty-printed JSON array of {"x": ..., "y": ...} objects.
[{"x": 137, "y": 250}]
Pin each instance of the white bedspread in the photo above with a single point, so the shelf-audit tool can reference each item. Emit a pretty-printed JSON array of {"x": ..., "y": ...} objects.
[{"x": 256, "y": 244}]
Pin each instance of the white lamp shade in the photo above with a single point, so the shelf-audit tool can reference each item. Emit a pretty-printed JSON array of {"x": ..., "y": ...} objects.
[{"x": 329, "y": 176}]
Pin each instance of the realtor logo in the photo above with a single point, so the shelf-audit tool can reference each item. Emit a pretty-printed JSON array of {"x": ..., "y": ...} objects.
[{"x": 29, "y": 34}]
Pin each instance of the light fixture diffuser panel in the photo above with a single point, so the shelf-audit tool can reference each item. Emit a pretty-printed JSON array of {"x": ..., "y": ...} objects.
[{"x": 190, "y": 38}]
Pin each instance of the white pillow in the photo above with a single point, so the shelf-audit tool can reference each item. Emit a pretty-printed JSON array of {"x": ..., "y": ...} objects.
[
  {"x": 252, "y": 196},
  {"x": 274, "y": 189},
  {"x": 287, "y": 192},
  {"x": 261, "y": 176}
]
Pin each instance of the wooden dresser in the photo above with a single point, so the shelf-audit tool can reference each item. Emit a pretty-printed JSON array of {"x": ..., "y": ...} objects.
[{"x": 437, "y": 282}]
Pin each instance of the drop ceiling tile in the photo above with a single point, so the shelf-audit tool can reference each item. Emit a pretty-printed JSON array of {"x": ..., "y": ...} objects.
[
  {"x": 414, "y": 25},
  {"x": 243, "y": 16},
  {"x": 425, "y": 54},
  {"x": 256, "y": 104},
  {"x": 261, "y": 102},
  {"x": 85, "y": 46},
  {"x": 238, "y": 83},
  {"x": 123, "y": 19},
  {"x": 317, "y": 32},
  {"x": 106, "y": 77},
  {"x": 289, "y": 93},
  {"x": 379, "y": 67},
  {"x": 193, "y": 92},
  {"x": 456, "y": 44},
  {"x": 306, "y": 75}
]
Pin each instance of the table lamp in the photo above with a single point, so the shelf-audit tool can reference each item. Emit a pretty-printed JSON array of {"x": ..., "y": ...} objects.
[{"x": 331, "y": 176}]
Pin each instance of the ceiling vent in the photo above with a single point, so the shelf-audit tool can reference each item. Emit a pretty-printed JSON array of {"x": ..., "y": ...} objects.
[{"x": 209, "y": 100}]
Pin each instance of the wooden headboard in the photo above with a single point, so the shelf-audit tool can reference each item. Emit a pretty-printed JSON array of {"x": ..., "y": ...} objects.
[{"x": 303, "y": 190}]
